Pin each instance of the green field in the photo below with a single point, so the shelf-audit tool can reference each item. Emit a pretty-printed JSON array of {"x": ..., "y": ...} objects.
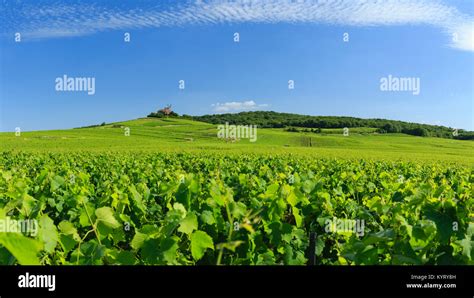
[
  {"x": 158, "y": 135},
  {"x": 172, "y": 193}
]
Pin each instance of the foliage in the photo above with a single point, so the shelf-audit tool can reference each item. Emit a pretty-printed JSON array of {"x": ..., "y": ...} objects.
[{"x": 170, "y": 209}]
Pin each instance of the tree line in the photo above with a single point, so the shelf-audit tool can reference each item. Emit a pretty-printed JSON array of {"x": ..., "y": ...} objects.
[{"x": 269, "y": 119}]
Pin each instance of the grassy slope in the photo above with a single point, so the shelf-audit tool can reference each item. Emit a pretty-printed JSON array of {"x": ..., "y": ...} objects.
[{"x": 179, "y": 134}]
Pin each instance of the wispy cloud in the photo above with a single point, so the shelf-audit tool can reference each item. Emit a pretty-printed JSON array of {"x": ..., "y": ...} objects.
[
  {"x": 45, "y": 19},
  {"x": 237, "y": 106}
]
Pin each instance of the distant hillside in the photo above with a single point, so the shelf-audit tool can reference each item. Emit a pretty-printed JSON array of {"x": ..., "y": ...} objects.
[
  {"x": 178, "y": 134},
  {"x": 269, "y": 119}
]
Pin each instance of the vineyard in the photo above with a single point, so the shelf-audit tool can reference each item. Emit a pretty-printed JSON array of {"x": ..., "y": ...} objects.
[{"x": 253, "y": 209}]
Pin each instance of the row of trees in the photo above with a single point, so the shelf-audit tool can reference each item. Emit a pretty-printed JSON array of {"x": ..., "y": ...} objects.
[{"x": 266, "y": 119}]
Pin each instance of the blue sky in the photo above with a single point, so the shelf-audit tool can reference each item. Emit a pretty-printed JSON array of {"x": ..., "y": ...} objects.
[{"x": 193, "y": 41}]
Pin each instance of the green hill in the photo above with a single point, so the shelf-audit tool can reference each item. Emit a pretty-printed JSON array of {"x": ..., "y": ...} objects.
[
  {"x": 179, "y": 134},
  {"x": 173, "y": 179}
]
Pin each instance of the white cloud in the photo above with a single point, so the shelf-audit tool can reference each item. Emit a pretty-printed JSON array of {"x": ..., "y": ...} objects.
[
  {"x": 462, "y": 36},
  {"x": 237, "y": 106},
  {"x": 42, "y": 20}
]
